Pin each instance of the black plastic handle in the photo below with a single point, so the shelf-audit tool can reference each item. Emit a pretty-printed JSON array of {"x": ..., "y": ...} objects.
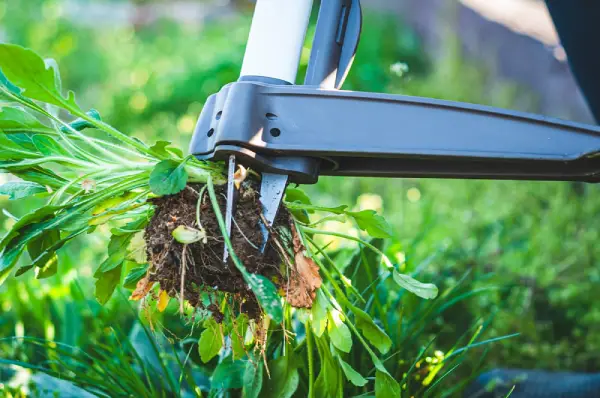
[{"x": 366, "y": 134}]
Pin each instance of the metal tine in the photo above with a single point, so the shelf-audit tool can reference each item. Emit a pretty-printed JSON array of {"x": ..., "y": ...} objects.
[
  {"x": 230, "y": 204},
  {"x": 272, "y": 188}
]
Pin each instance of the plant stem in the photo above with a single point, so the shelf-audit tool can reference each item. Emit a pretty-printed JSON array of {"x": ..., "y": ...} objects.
[
  {"x": 385, "y": 258},
  {"x": 309, "y": 353}
]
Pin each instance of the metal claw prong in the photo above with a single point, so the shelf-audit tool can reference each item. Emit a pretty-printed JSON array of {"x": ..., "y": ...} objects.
[
  {"x": 272, "y": 188},
  {"x": 230, "y": 204}
]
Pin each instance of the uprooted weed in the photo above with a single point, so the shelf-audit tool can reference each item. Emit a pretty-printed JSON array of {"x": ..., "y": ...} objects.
[{"x": 198, "y": 267}]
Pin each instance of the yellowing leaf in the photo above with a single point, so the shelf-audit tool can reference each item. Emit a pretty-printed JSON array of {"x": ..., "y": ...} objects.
[{"x": 163, "y": 300}]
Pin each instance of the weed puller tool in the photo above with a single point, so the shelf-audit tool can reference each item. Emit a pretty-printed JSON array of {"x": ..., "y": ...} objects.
[{"x": 294, "y": 133}]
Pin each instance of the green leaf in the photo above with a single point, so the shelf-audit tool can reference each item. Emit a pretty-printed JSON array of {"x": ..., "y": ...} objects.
[
  {"x": 46, "y": 263},
  {"x": 117, "y": 252},
  {"x": 40, "y": 176},
  {"x": 296, "y": 195},
  {"x": 284, "y": 377},
  {"x": 301, "y": 206},
  {"x": 14, "y": 151},
  {"x": 28, "y": 71},
  {"x": 21, "y": 189},
  {"x": 13, "y": 120},
  {"x": 164, "y": 148},
  {"x": 134, "y": 276},
  {"x": 374, "y": 224},
  {"x": 266, "y": 294},
  {"x": 8, "y": 90},
  {"x": 168, "y": 178},
  {"x": 385, "y": 385},
  {"x": 228, "y": 375},
  {"x": 423, "y": 290},
  {"x": 211, "y": 341},
  {"x": 253, "y": 378},
  {"x": 80, "y": 124},
  {"x": 338, "y": 332},
  {"x": 352, "y": 375},
  {"x": 48, "y": 146},
  {"x": 237, "y": 335},
  {"x": 106, "y": 284},
  {"x": 327, "y": 382},
  {"x": 319, "y": 314},
  {"x": 132, "y": 227},
  {"x": 28, "y": 227},
  {"x": 371, "y": 331}
]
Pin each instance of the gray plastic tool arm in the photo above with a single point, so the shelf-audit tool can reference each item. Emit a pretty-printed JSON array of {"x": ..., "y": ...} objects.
[{"x": 275, "y": 128}]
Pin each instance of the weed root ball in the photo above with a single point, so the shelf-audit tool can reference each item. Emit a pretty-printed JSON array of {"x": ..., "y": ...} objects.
[{"x": 205, "y": 271}]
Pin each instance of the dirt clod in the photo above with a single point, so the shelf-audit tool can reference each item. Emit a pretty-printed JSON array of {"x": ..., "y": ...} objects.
[{"x": 205, "y": 271}]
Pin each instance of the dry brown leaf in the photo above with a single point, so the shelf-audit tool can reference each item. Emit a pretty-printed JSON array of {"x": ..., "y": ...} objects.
[
  {"x": 163, "y": 300},
  {"x": 141, "y": 289},
  {"x": 304, "y": 278}
]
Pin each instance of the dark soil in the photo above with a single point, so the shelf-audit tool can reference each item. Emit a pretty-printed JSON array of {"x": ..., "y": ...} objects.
[{"x": 205, "y": 270}]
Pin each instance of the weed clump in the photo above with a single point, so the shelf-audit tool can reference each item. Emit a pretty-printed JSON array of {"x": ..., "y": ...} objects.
[{"x": 189, "y": 270}]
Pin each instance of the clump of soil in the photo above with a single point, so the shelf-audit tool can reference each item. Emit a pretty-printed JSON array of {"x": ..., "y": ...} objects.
[{"x": 204, "y": 267}]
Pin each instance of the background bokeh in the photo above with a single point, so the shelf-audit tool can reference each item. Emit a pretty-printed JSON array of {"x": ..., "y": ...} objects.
[{"x": 529, "y": 251}]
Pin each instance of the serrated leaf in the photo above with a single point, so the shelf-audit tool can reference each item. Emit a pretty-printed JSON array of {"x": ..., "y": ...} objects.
[
  {"x": 319, "y": 314},
  {"x": 106, "y": 284},
  {"x": 48, "y": 146},
  {"x": 228, "y": 375},
  {"x": 372, "y": 223},
  {"x": 352, "y": 375},
  {"x": 134, "y": 275},
  {"x": 28, "y": 71},
  {"x": 423, "y": 290},
  {"x": 284, "y": 377},
  {"x": 253, "y": 379},
  {"x": 338, "y": 332},
  {"x": 371, "y": 331},
  {"x": 211, "y": 341},
  {"x": 385, "y": 385},
  {"x": 167, "y": 178},
  {"x": 21, "y": 189}
]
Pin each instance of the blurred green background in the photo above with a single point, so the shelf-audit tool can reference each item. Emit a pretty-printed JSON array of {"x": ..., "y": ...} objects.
[{"x": 532, "y": 249}]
